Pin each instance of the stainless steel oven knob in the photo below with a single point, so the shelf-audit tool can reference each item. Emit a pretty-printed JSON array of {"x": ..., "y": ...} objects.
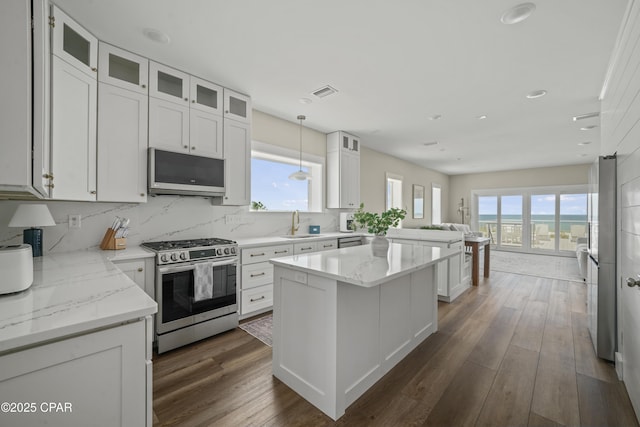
[
  {"x": 164, "y": 258},
  {"x": 226, "y": 251},
  {"x": 174, "y": 256},
  {"x": 183, "y": 256},
  {"x": 233, "y": 251},
  {"x": 219, "y": 251}
]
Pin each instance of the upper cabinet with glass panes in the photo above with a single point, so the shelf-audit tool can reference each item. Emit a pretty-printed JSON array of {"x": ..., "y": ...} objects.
[
  {"x": 123, "y": 69},
  {"x": 350, "y": 143},
  {"x": 181, "y": 88},
  {"x": 237, "y": 106},
  {"x": 72, "y": 43}
]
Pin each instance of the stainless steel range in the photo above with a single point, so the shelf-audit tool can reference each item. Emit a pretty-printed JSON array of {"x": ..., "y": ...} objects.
[{"x": 195, "y": 290}]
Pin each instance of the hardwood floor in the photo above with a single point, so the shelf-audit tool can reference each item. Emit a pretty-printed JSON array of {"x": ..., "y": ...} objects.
[{"x": 514, "y": 351}]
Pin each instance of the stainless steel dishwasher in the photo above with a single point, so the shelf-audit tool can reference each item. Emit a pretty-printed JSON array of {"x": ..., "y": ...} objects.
[{"x": 345, "y": 242}]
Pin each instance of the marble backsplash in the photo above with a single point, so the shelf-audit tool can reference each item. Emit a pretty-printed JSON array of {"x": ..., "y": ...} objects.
[{"x": 161, "y": 218}]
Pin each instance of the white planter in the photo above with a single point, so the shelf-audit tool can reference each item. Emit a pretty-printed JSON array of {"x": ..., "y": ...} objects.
[{"x": 380, "y": 246}]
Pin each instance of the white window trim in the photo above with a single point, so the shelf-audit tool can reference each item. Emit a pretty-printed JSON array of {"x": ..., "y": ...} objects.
[
  {"x": 316, "y": 165},
  {"x": 433, "y": 187}
]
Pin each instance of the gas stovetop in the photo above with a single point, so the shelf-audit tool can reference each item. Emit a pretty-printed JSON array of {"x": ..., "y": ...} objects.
[{"x": 175, "y": 251}]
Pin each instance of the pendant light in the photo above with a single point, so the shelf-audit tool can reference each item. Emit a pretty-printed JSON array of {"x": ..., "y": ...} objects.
[{"x": 300, "y": 175}]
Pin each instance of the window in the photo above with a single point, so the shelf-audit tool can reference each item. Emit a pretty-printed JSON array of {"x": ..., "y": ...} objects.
[
  {"x": 394, "y": 191},
  {"x": 436, "y": 204},
  {"x": 271, "y": 188}
]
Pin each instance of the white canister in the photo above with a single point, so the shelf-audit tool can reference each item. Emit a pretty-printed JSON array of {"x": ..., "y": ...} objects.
[{"x": 16, "y": 264}]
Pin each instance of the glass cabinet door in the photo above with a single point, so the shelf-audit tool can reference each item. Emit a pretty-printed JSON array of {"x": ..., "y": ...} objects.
[
  {"x": 206, "y": 96},
  {"x": 123, "y": 69},
  {"x": 72, "y": 43},
  {"x": 168, "y": 83},
  {"x": 237, "y": 106}
]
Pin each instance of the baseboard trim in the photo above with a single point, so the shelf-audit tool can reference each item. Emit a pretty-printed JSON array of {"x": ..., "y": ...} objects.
[{"x": 619, "y": 365}]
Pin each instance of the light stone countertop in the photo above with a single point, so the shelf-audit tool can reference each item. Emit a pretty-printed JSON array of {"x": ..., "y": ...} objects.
[
  {"x": 357, "y": 265},
  {"x": 72, "y": 293}
]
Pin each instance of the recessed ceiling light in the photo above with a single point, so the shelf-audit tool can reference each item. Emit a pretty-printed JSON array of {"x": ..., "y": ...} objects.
[
  {"x": 305, "y": 101},
  {"x": 482, "y": 117},
  {"x": 518, "y": 13},
  {"x": 430, "y": 143},
  {"x": 584, "y": 143},
  {"x": 536, "y": 94},
  {"x": 585, "y": 116},
  {"x": 156, "y": 35},
  {"x": 436, "y": 117},
  {"x": 589, "y": 127}
]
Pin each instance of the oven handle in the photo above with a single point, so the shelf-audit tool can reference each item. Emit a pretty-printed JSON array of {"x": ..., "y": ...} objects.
[{"x": 191, "y": 265}]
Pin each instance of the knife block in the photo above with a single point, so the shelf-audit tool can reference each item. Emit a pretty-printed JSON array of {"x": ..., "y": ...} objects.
[{"x": 110, "y": 242}]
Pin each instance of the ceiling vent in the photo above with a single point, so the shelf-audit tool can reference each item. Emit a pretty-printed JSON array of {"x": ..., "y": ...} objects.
[
  {"x": 585, "y": 116},
  {"x": 324, "y": 91}
]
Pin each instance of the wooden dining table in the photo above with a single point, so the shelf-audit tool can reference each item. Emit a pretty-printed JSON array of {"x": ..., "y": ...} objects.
[{"x": 477, "y": 243}]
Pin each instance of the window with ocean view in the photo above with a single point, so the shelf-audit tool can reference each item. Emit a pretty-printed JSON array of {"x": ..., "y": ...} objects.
[{"x": 543, "y": 220}]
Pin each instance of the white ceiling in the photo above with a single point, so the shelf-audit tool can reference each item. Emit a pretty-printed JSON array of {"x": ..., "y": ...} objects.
[{"x": 395, "y": 64}]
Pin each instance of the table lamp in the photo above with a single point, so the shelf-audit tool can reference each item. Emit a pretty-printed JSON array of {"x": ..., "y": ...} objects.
[{"x": 32, "y": 215}]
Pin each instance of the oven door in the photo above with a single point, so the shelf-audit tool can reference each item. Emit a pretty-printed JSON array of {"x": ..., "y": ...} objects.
[{"x": 177, "y": 307}]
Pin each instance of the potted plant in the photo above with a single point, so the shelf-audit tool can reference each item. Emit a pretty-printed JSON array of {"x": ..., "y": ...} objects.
[{"x": 378, "y": 224}]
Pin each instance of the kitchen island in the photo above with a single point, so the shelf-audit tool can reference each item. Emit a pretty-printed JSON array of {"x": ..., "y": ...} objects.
[{"x": 343, "y": 318}]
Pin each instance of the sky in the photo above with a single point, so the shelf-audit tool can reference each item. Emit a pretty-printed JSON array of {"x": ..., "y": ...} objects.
[
  {"x": 570, "y": 204},
  {"x": 270, "y": 184}
]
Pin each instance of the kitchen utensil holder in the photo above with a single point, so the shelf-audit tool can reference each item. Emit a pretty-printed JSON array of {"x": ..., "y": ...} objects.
[{"x": 110, "y": 242}]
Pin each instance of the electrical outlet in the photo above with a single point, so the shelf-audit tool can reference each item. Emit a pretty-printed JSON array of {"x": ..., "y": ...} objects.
[
  {"x": 232, "y": 219},
  {"x": 75, "y": 221}
]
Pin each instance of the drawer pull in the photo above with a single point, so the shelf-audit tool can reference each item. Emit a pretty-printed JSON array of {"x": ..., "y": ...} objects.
[
  {"x": 262, "y": 254},
  {"x": 281, "y": 252},
  {"x": 258, "y": 275},
  {"x": 327, "y": 246},
  {"x": 140, "y": 270},
  {"x": 306, "y": 249},
  {"x": 256, "y": 299}
]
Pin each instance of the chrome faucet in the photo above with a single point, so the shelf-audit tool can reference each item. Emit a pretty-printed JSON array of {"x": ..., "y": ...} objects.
[{"x": 295, "y": 222}]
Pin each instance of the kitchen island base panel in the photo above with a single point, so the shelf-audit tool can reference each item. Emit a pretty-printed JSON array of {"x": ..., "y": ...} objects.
[{"x": 334, "y": 340}]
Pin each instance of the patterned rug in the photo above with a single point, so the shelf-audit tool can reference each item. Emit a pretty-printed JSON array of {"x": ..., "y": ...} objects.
[
  {"x": 260, "y": 328},
  {"x": 549, "y": 266}
]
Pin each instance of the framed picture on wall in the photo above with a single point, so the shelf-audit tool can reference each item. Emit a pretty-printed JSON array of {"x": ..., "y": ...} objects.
[{"x": 418, "y": 201}]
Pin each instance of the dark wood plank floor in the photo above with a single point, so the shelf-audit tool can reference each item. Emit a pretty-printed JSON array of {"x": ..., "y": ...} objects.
[{"x": 514, "y": 351}]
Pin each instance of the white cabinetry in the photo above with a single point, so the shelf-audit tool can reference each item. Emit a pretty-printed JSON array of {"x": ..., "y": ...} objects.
[
  {"x": 343, "y": 170},
  {"x": 18, "y": 172},
  {"x": 73, "y": 110},
  {"x": 452, "y": 274},
  {"x": 141, "y": 271},
  {"x": 237, "y": 106},
  {"x": 185, "y": 113},
  {"x": 256, "y": 278},
  {"x": 122, "y": 126},
  {"x": 105, "y": 376},
  {"x": 237, "y": 155}
]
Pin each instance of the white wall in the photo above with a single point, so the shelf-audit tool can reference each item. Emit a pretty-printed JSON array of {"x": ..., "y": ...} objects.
[
  {"x": 620, "y": 124},
  {"x": 373, "y": 168},
  {"x": 462, "y": 185}
]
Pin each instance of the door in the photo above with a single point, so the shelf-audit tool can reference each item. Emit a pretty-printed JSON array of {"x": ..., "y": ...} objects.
[
  {"x": 511, "y": 222},
  {"x": 73, "y": 132},
  {"x": 122, "y": 145},
  {"x": 123, "y": 69},
  {"x": 237, "y": 154},
  {"x": 168, "y": 125},
  {"x": 205, "y": 133},
  {"x": 349, "y": 180},
  {"x": 205, "y": 96},
  {"x": 74, "y": 44},
  {"x": 237, "y": 106},
  {"x": 543, "y": 222}
]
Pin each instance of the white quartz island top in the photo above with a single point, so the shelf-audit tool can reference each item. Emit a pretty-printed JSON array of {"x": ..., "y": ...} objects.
[
  {"x": 357, "y": 265},
  {"x": 72, "y": 293}
]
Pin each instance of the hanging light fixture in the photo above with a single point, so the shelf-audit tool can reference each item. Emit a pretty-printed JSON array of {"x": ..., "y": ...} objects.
[{"x": 300, "y": 175}]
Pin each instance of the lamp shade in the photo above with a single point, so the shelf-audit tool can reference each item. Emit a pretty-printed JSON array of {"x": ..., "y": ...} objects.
[{"x": 32, "y": 215}]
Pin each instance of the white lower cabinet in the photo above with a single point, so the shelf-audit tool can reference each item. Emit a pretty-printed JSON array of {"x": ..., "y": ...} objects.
[
  {"x": 452, "y": 274},
  {"x": 101, "y": 378},
  {"x": 141, "y": 271}
]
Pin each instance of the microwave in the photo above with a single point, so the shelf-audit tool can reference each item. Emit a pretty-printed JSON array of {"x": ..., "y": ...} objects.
[{"x": 185, "y": 174}]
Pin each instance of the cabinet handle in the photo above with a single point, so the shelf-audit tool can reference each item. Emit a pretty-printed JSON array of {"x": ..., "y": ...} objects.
[
  {"x": 92, "y": 192},
  {"x": 94, "y": 69},
  {"x": 47, "y": 176},
  {"x": 327, "y": 246},
  {"x": 186, "y": 146},
  {"x": 140, "y": 270},
  {"x": 49, "y": 185},
  {"x": 262, "y": 254},
  {"x": 256, "y": 299},
  {"x": 193, "y": 101},
  {"x": 143, "y": 86},
  {"x": 281, "y": 252},
  {"x": 226, "y": 112},
  {"x": 186, "y": 99},
  {"x": 193, "y": 148},
  {"x": 305, "y": 249},
  {"x": 258, "y": 275},
  {"x": 141, "y": 194}
]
